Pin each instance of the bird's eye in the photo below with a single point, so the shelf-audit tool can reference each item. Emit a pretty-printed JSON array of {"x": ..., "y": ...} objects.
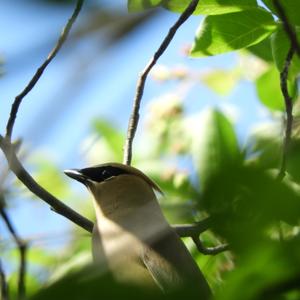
[
  {"x": 100, "y": 174},
  {"x": 106, "y": 174}
]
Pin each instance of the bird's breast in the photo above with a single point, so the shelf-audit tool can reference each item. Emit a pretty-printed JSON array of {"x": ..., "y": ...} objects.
[
  {"x": 121, "y": 252},
  {"x": 118, "y": 243}
]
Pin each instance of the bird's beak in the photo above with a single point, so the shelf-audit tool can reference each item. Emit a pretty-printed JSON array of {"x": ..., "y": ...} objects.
[{"x": 77, "y": 175}]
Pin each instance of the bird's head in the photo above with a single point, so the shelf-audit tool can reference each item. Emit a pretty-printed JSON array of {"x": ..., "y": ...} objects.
[{"x": 115, "y": 184}]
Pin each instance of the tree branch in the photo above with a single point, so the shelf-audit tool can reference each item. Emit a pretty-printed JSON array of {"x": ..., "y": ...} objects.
[
  {"x": 18, "y": 99},
  {"x": 289, "y": 112},
  {"x": 287, "y": 26},
  {"x": 190, "y": 230},
  {"x": 58, "y": 206},
  {"x": 209, "y": 250},
  {"x": 22, "y": 246},
  {"x": 194, "y": 231},
  {"x": 3, "y": 284},
  {"x": 186, "y": 230},
  {"x": 134, "y": 118}
]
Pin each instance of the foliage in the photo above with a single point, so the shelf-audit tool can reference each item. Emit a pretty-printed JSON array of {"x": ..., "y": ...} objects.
[{"x": 237, "y": 186}]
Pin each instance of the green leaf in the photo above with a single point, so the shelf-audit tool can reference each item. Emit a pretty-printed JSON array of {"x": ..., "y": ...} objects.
[
  {"x": 262, "y": 50},
  {"x": 32, "y": 285},
  {"x": 268, "y": 89},
  {"x": 221, "y": 81},
  {"x": 215, "y": 145},
  {"x": 113, "y": 137},
  {"x": 265, "y": 145},
  {"x": 290, "y": 7},
  {"x": 75, "y": 263},
  {"x": 228, "y": 32},
  {"x": 50, "y": 177},
  {"x": 280, "y": 47},
  {"x": 269, "y": 269},
  {"x": 205, "y": 7},
  {"x": 140, "y": 5}
]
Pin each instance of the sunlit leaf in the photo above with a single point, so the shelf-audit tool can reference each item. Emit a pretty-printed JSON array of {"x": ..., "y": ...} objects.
[
  {"x": 262, "y": 50},
  {"x": 228, "y": 32},
  {"x": 221, "y": 81},
  {"x": 75, "y": 263},
  {"x": 32, "y": 284},
  {"x": 269, "y": 91},
  {"x": 205, "y": 7},
  {"x": 280, "y": 47},
  {"x": 112, "y": 136},
  {"x": 50, "y": 177},
  {"x": 265, "y": 145},
  {"x": 215, "y": 145},
  {"x": 290, "y": 7}
]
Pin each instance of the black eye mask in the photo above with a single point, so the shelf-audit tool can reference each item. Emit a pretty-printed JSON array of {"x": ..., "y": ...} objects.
[{"x": 100, "y": 174}]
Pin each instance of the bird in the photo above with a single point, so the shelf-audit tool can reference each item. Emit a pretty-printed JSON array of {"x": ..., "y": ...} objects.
[{"x": 131, "y": 237}]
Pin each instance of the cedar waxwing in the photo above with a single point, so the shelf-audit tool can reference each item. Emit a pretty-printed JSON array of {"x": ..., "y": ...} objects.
[{"x": 131, "y": 237}]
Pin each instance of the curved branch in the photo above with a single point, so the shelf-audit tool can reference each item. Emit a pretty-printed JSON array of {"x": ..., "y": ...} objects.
[
  {"x": 134, "y": 118},
  {"x": 190, "y": 230},
  {"x": 18, "y": 99},
  {"x": 58, "y": 206},
  {"x": 287, "y": 26},
  {"x": 22, "y": 247},
  {"x": 289, "y": 112},
  {"x": 209, "y": 250}
]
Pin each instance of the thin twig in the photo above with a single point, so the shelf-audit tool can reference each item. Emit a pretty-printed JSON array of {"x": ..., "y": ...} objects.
[
  {"x": 209, "y": 250},
  {"x": 22, "y": 246},
  {"x": 289, "y": 112},
  {"x": 134, "y": 118},
  {"x": 194, "y": 231},
  {"x": 3, "y": 284},
  {"x": 18, "y": 99},
  {"x": 57, "y": 205},
  {"x": 287, "y": 26},
  {"x": 189, "y": 230}
]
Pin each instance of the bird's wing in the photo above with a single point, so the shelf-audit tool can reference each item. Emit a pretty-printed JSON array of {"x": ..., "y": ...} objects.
[
  {"x": 172, "y": 266},
  {"x": 163, "y": 273}
]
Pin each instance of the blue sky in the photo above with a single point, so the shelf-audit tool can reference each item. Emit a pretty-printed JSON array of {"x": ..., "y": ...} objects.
[{"x": 64, "y": 102}]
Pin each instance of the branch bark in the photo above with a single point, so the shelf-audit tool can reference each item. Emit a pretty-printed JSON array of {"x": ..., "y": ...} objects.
[
  {"x": 22, "y": 247},
  {"x": 289, "y": 112},
  {"x": 190, "y": 230},
  {"x": 39, "y": 72},
  {"x": 3, "y": 284},
  {"x": 209, "y": 250},
  {"x": 287, "y": 26},
  {"x": 134, "y": 118},
  {"x": 56, "y": 205}
]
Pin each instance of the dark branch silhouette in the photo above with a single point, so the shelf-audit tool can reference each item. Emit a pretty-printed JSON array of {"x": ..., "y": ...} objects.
[
  {"x": 134, "y": 118},
  {"x": 22, "y": 247},
  {"x": 57, "y": 205},
  {"x": 190, "y": 230},
  {"x": 289, "y": 112},
  {"x": 3, "y": 284},
  {"x": 289, "y": 29},
  {"x": 209, "y": 250},
  {"x": 18, "y": 100}
]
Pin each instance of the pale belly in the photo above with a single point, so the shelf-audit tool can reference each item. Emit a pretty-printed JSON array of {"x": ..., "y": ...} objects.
[{"x": 120, "y": 251}]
